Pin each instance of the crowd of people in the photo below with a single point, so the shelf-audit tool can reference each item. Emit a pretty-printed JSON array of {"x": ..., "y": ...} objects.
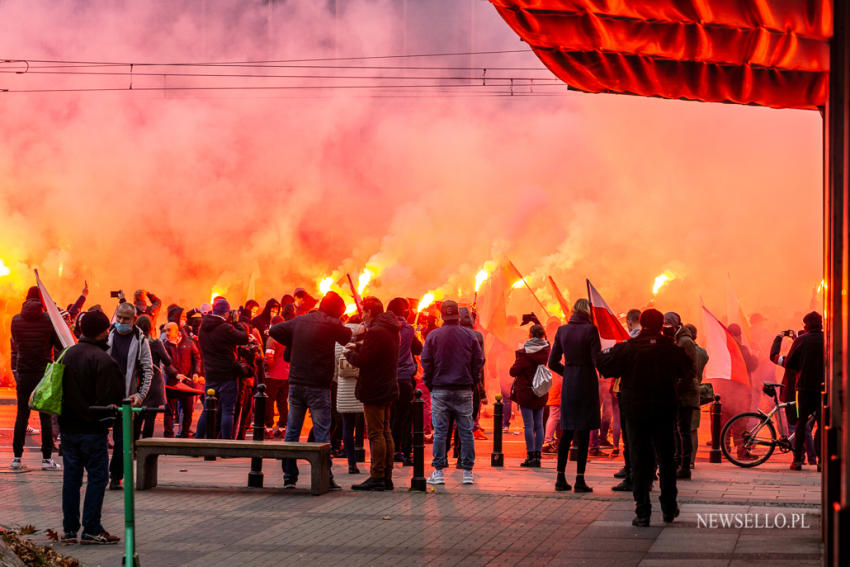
[{"x": 356, "y": 376}]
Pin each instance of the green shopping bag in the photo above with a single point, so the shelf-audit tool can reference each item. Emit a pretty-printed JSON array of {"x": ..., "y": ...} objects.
[{"x": 47, "y": 396}]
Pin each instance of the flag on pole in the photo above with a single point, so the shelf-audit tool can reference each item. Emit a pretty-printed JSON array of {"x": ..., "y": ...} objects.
[
  {"x": 725, "y": 360},
  {"x": 66, "y": 337},
  {"x": 735, "y": 313},
  {"x": 606, "y": 321},
  {"x": 560, "y": 297}
]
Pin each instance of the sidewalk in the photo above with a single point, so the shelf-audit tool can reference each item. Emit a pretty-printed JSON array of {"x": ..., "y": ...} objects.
[{"x": 202, "y": 514}]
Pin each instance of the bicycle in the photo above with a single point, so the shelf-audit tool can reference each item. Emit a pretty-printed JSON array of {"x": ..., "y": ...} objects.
[{"x": 749, "y": 439}]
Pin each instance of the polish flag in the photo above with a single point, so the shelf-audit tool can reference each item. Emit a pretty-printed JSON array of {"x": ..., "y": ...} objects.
[
  {"x": 606, "y": 321},
  {"x": 66, "y": 337},
  {"x": 725, "y": 361}
]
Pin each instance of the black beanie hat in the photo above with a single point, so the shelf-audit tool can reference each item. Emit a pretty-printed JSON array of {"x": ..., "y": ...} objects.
[
  {"x": 32, "y": 293},
  {"x": 93, "y": 323},
  {"x": 332, "y": 304},
  {"x": 652, "y": 320}
]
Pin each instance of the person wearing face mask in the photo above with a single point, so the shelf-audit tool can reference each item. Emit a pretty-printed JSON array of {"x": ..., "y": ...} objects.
[
  {"x": 91, "y": 378},
  {"x": 129, "y": 347},
  {"x": 186, "y": 361}
]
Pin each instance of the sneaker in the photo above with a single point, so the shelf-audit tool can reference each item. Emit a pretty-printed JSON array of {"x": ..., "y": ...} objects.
[
  {"x": 16, "y": 465},
  {"x": 50, "y": 465},
  {"x": 478, "y": 434},
  {"x": 32, "y": 430},
  {"x": 468, "y": 477},
  {"x": 289, "y": 484},
  {"x": 550, "y": 448},
  {"x": 114, "y": 485},
  {"x": 277, "y": 433},
  {"x": 506, "y": 430},
  {"x": 436, "y": 477},
  {"x": 103, "y": 538},
  {"x": 373, "y": 484},
  {"x": 69, "y": 537},
  {"x": 624, "y": 486}
]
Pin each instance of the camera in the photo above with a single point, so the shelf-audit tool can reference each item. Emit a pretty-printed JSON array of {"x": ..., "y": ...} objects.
[
  {"x": 789, "y": 333},
  {"x": 115, "y": 294}
]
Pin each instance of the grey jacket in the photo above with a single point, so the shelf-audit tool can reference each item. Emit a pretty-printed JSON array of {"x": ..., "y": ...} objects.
[{"x": 137, "y": 380}]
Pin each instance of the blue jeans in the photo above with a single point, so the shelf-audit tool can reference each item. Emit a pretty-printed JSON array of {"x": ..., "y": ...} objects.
[
  {"x": 226, "y": 392},
  {"x": 456, "y": 403},
  {"x": 84, "y": 451},
  {"x": 318, "y": 401},
  {"x": 532, "y": 421}
]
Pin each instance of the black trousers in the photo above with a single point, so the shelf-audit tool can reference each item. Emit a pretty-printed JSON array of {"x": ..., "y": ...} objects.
[
  {"x": 116, "y": 464},
  {"x": 625, "y": 431},
  {"x": 650, "y": 441},
  {"x": 26, "y": 383},
  {"x": 809, "y": 404},
  {"x": 278, "y": 393},
  {"x": 401, "y": 421},
  {"x": 684, "y": 447}
]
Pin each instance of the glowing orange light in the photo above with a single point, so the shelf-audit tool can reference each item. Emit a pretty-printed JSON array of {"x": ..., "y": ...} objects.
[
  {"x": 61, "y": 268},
  {"x": 480, "y": 277},
  {"x": 661, "y": 280},
  {"x": 325, "y": 285},
  {"x": 351, "y": 309},
  {"x": 4, "y": 270},
  {"x": 426, "y": 300},
  {"x": 215, "y": 293},
  {"x": 822, "y": 286},
  {"x": 364, "y": 279},
  {"x": 518, "y": 284}
]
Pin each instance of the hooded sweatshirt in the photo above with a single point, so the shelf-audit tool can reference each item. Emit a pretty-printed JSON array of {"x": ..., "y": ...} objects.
[
  {"x": 33, "y": 339},
  {"x": 377, "y": 359},
  {"x": 534, "y": 353}
]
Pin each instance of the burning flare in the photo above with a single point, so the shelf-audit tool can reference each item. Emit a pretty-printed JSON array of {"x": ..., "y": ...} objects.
[
  {"x": 661, "y": 280},
  {"x": 350, "y": 309},
  {"x": 215, "y": 293},
  {"x": 426, "y": 300},
  {"x": 480, "y": 277},
  {"x": 325, "y": 285},
  {"x": 363, "y": 281},
  {"x": 4, "y": 270},
  {"x": 518, "y": 284}
]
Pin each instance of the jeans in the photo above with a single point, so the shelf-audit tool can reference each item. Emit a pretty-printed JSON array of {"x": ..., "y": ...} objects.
[
  {"x": 352, "y": 422},
  {"x": 26, "y": 383},
  {"x": 227, "y": 393},
  {"x": 456, "y": 403},
  {"x": 84, "y": 451},
  {"x": 380, "y": 440},
  {"x": 532, "y": 421},
  {"x": 553, "y": 424},
  {"x": 318, "y": 401},
  {"x": 651, "y": 438}
]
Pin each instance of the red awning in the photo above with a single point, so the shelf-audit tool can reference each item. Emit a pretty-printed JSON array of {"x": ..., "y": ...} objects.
[{"x": 768, "y": 52}]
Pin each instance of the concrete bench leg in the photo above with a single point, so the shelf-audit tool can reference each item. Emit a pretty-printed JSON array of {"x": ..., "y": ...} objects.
[
  {"x": 146, "y": 470},
  {"x": 320, "y": 475}
]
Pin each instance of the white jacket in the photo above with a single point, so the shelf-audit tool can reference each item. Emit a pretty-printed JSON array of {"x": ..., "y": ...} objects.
[{"x": 346, "y": 377}]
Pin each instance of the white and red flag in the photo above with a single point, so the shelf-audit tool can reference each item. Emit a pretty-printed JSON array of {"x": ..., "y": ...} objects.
[
  {"x": 66, "y": 337},
  {"x": 725, "y": 360},
  {"x": 606, "y": 321}
]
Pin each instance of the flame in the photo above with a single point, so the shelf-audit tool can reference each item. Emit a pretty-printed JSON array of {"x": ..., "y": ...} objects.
[
  {"x": 351, "y": 309},
  {"x": 325, "y": 284},
  {"x": 518, "y": 284},
  {"x": 215, "y": 293},
  {"x": 364, "y": 279},
  {"x": 480, "y": 277},
  {"x": 822, "y": 286},
  {"x": 4, "y": 270},
  {"x": 426, "y": 300},
  {"x": 61, "y": 268},
  {"x": 661, "y": 280}
]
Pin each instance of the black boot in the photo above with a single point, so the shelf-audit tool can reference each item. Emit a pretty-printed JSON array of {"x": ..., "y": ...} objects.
[
  {"x": 529, "y": 460},
  {"x": 561, "y": 484},
  {"x": 581, "y": 486},
  {"x": 537, "y": 458}
]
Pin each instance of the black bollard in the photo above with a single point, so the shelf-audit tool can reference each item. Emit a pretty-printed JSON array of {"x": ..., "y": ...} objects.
[
  {"x": 418, "y": 480},
  {"x": 715, "y": 455},
  {"x": 497, "y": 459},
  {"x": 255, "y": 477},
  {"x": 211, "y": 409}
]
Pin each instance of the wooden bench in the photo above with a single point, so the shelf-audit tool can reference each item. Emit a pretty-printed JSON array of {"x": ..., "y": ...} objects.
[{"x": 148, "y": 451}]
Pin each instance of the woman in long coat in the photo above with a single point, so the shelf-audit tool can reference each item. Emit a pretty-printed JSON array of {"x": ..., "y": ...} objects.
[{"x": 573, "y": 356}]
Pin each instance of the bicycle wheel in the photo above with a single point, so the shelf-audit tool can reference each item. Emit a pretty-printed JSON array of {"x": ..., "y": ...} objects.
[{"x": 748, "y": 439}]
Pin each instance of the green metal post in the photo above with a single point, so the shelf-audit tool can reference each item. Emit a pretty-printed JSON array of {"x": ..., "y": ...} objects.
[{"x": 130, "y": 557}]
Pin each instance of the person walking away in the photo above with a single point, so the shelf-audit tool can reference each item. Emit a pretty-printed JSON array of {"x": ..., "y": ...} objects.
[
  {"x": 649, "y": 368},
  {"x": 130, "y": 349},
  {"x": 33, "y": 343},
  {"x": 376, "y": 355},
  {"x": 218, "y": 340},
  {"x": 91, "y": 378},
  {"x": 625, "y": 473},
  {"x": 534, "y": 354},
  {"x": 573, "y": 356},
  {"x": 687, "y": 395},
  {"x": 451, "y": 362},
  {"x": 409, "y": 348},
  {"x": 806, "y": 359},
  {"x": 310, "y": 339}
]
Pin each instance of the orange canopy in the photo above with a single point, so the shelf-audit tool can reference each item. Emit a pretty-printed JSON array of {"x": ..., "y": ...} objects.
[{"x": 767, "y": 52}]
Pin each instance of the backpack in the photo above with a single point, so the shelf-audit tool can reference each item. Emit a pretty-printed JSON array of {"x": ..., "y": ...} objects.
[{"x": 542, "y": 381}]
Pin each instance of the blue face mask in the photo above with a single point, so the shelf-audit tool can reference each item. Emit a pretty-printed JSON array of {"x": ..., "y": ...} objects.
[{"x": 123, "y": 328}]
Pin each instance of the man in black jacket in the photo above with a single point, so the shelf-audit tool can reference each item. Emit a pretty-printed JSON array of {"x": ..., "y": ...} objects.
[
  {"x": 91, "y": 378},
  {"x": 33, "y": 342},
  {"x": 219, "y": 339},
  {"x": 806, "y": 359},
  {"x": 310, "y": 341},
  {"x": 649, "y": 367},
  {"x": 377, "y": 387}
]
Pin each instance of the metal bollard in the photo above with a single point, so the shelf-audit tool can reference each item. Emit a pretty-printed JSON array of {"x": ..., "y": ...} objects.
[
  {"x": 211, "y": 409},
  {"x": 417, "y": 482},
  {"x": 255, "y": 477},
  {"x": 497, "y": 459},
  {"x": 715, "y": 455}
]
